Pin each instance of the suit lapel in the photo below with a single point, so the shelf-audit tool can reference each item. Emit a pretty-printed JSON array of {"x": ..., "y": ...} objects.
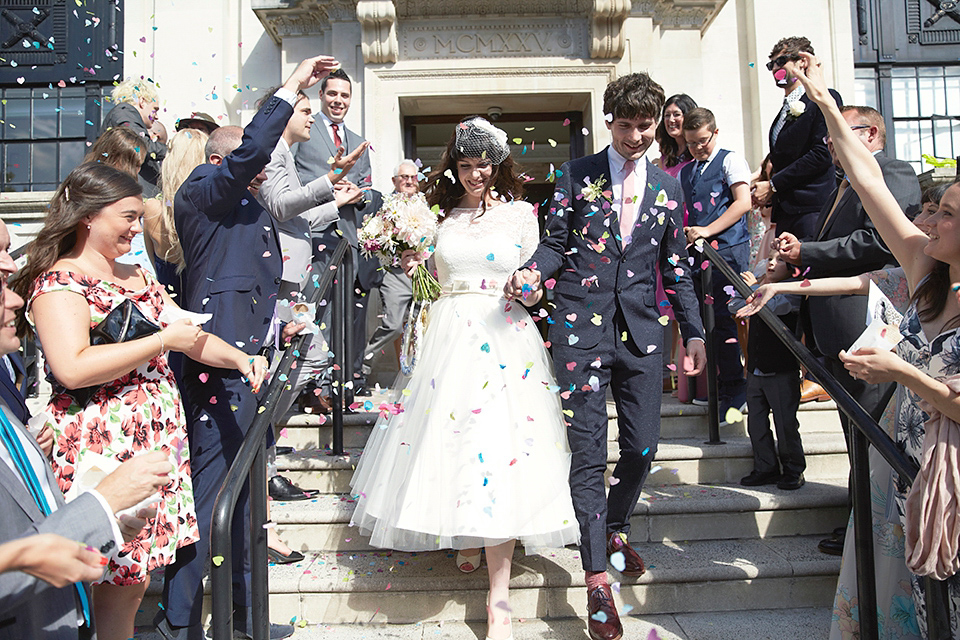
[
  {"x": 826, "y": 224},
  {"x": 600, "y": 171}
]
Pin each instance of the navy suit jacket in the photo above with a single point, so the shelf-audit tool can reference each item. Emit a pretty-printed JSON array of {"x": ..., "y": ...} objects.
[
  {"x": 803, "y": 170},
  {"x": 598, "y": 276},
  {"x": 230, "y": 242},
  {"x": 848, "y": 245}
]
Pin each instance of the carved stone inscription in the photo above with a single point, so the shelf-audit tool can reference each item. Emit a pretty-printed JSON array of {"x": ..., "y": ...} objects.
[{"x": 563, "y": 38}]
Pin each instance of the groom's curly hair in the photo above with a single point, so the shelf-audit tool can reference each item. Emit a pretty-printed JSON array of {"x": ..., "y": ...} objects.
[
  {"x": 633, "y": 96},
  {"x": 446, "y": 190}
]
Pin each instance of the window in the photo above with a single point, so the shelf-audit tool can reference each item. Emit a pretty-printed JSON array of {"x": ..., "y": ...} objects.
[
  {"x": 923, "y": 98},
  {"x": 42, "y": 136}
]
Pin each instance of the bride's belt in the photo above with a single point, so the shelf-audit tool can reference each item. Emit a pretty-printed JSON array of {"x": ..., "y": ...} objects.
[{"x": 485, "y": 287}]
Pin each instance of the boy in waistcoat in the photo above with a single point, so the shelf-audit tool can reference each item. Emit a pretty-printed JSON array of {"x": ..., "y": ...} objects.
[{"x": 716, "y": 188}]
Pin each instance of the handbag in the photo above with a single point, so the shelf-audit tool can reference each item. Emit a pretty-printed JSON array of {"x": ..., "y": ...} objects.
[{"x": 124, "y": 323}]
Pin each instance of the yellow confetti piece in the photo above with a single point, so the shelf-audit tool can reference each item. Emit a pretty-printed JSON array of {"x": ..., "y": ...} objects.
[
  {"x": 623, "y": 337},
  {"x": 517, "y": 140},
  {"x": 733, "y": 415},
  {"x": 217, "y": 560},
  {"x": 552, "y": 142},
  {"x": 406, "y": 392},
  {"x": 663, "y": 320},
  {"x": 597, "y": 319},
  {"x": 568, "y": 413}
]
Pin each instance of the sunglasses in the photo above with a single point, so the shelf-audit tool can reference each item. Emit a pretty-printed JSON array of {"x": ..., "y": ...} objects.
[
  {"x": 855, "y": 127},
  {"x": 780, "y": 61}
]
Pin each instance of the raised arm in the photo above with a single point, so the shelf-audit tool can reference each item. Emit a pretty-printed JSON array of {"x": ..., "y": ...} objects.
[
  {"x": 905, "y": 241},
  {"x": 851, "y": 285}
]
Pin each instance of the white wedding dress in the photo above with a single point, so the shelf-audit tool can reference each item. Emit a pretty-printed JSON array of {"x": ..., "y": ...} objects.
[{"x": 478, "y": 455}]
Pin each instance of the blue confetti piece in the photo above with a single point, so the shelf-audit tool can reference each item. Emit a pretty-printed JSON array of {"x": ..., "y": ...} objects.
[{"x": 490, "y": 257}]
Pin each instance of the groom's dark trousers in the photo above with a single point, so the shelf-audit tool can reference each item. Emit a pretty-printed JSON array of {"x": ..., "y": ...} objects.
[{"x": 605, "y": 332}]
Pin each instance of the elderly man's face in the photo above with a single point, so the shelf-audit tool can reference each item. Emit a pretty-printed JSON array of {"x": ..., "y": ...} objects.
[{"x": 405, "y": 181}]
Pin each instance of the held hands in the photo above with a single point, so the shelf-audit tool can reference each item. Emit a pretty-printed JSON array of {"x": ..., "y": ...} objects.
[
  {"x": 135, "y": 480},
  {"x": 872, "y": 365},
  {"x": 761, "y": 193},
  {"x": 181, "y": 335},
  {"x": 513, "y": 288},
  {"x": 343, "y": 163},
  {"x": 254, "y": 369},
  {"x": 310, "y": 72},
  {"x": 409, "y": 261}
]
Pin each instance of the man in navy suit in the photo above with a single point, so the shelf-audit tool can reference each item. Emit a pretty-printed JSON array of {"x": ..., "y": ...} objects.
[
  {"x": 614, "y": 217},
  {"x": 233, "y": 267},
  {"x": 803, "y": 171}
]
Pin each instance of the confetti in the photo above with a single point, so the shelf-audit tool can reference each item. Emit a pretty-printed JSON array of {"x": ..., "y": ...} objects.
[
  {"x": 733, "y": 415},
  {"x": 618, "y": 561},
  {"x": 204, "y": 376},
  {"x": 217, "y": 560}
]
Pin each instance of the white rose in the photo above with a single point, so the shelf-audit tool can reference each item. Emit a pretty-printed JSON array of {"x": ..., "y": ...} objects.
[{"x": 797, "y": 108}]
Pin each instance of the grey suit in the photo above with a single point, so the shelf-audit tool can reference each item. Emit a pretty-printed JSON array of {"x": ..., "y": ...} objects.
[
  {"x": 296, "y": 208},
  {"x": 313, "y": 155},
  {"x": 29, "y": 607}
]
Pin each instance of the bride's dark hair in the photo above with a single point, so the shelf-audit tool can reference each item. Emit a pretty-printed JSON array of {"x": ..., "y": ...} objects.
[{"x": 446, "y": 190}]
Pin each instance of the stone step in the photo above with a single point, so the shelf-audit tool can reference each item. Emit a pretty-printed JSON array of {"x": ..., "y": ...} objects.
[
  {"x": 663, "y": 514},
  {"x": 682, "y": 577},
  {"x": 678, "y": 420},
  {"x": 678, "y": 461},
  {"x": 764, "y": 624}
]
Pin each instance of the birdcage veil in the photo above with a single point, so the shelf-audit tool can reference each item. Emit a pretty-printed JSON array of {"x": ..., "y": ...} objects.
[{"x": 477, "y": 138}]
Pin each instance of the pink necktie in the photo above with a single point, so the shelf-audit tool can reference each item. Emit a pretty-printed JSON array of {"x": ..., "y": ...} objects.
[{"x": 627, "y": 207}]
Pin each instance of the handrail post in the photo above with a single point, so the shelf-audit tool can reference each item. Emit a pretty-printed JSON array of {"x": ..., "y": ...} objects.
[
  {"x": 349, "y": 320},
  {"x": 259, "y": 585},
  {"x": 221, "y": 579},
  {"x": 709, "y": 323},
  {"x": 339, "y": 345},
  {"x": 937, "y": 599},
  {"x": 863, "y": 534}
]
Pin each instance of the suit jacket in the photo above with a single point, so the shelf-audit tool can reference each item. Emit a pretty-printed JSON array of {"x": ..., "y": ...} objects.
[
  {"x": 598, "y": 276},
  {"x": 126, "y": 115},
  {"x": 803, "y": 169},
  {"x": 230, "y": 245},
  {"x": 9, "y": 390},
  {"x": 29, "y": 607},
  {"x": 294, "y": 206},
  {"x": 849, "y": 245},
  {"x": 312, "y": 162}
]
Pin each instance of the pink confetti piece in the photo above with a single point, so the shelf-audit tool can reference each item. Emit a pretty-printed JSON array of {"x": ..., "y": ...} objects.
[{"x": 204, "y": 376}]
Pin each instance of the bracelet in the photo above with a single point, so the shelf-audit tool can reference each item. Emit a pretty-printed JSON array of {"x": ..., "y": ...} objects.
[{"x": 162, "y": 348}]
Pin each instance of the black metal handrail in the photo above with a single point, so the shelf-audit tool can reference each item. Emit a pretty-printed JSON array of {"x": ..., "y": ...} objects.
[
  {"x": 251, "y": 462},
  {"x": 866, "y": 431}
]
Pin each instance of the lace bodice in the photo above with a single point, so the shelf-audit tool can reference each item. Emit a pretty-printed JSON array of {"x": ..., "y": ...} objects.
[{"x": 481, "y": 252}]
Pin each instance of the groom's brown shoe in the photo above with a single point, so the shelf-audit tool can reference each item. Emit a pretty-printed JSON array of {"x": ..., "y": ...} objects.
[
  {"x": 603, "y": 623},
  {"x": 632, "y": 562}
]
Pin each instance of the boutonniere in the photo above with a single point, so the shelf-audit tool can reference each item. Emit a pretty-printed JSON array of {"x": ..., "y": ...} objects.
[
  {"x": 594, "y": 190},
  {"x": 796, "y": 109}
]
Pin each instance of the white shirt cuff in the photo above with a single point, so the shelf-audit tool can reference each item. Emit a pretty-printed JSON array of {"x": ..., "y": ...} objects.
[
  {"x": 287, "y": 95},
  {"x": 114, "y": 524},
  {"x": 696, "y": 338}
]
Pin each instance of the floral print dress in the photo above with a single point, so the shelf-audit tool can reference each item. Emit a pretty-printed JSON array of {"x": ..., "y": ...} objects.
[{"x": 136, "y": 413}]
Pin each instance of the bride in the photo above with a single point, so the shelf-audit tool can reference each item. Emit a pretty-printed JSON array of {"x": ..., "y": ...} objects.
[{"x": 476, "y": 455}]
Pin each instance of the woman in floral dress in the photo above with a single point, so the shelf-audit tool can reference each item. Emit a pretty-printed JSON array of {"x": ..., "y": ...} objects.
[
  {"x": 930, "y": 350},
  {"x": 72, "y": 281}
]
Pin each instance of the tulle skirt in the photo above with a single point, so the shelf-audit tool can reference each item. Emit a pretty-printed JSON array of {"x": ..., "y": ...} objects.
[{"x": 474, "y": 450}]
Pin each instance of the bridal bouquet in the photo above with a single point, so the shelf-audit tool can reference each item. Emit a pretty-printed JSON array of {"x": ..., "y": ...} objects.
[
  {"x": 405, "y": 223},
  {"x": 402, "y": 223}
]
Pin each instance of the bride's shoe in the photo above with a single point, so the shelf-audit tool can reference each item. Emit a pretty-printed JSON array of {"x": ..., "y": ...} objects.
[
  {"x": 490, "y": 616},
  {"x": 468, "y": 564}
]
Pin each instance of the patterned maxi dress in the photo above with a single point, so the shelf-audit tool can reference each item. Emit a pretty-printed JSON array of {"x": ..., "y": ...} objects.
[
  {"x": 136, "y": 413},
  {"x": 939, "y": 358}
]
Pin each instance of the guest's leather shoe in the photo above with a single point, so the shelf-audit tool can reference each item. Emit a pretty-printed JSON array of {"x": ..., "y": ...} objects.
[
  {"x": 284, "y": 451},
  {"x": 282, "y": 489},
  {"x": 278, "y": 558},
  {"x": 603, "y": 622},
  {"x": 311, "y": 402},
  {"x": 831, "y": 546},
  {"x": 810, "y": 391},
  {"x": 168, "y": 632},
  {"x": 791, "y": 483},
  {"x": 633, "y": 563},
  {"x": 362, "y": 390},
  {"x": 758, "y": 479}
]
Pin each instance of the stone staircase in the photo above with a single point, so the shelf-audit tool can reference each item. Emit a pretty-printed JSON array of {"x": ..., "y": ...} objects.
[{"x": 710, "y": 545}]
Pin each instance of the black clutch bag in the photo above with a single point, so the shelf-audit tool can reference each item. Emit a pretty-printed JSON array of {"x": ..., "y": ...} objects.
[{"x": 126, "y": 322}]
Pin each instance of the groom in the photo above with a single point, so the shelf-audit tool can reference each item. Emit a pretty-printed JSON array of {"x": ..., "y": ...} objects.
[{"x": 614, "y": 218}]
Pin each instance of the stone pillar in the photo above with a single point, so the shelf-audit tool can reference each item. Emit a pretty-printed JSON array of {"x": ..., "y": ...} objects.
[
  {"x": 606, "y": 28},
  {"x": 378, "y": 21}
]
